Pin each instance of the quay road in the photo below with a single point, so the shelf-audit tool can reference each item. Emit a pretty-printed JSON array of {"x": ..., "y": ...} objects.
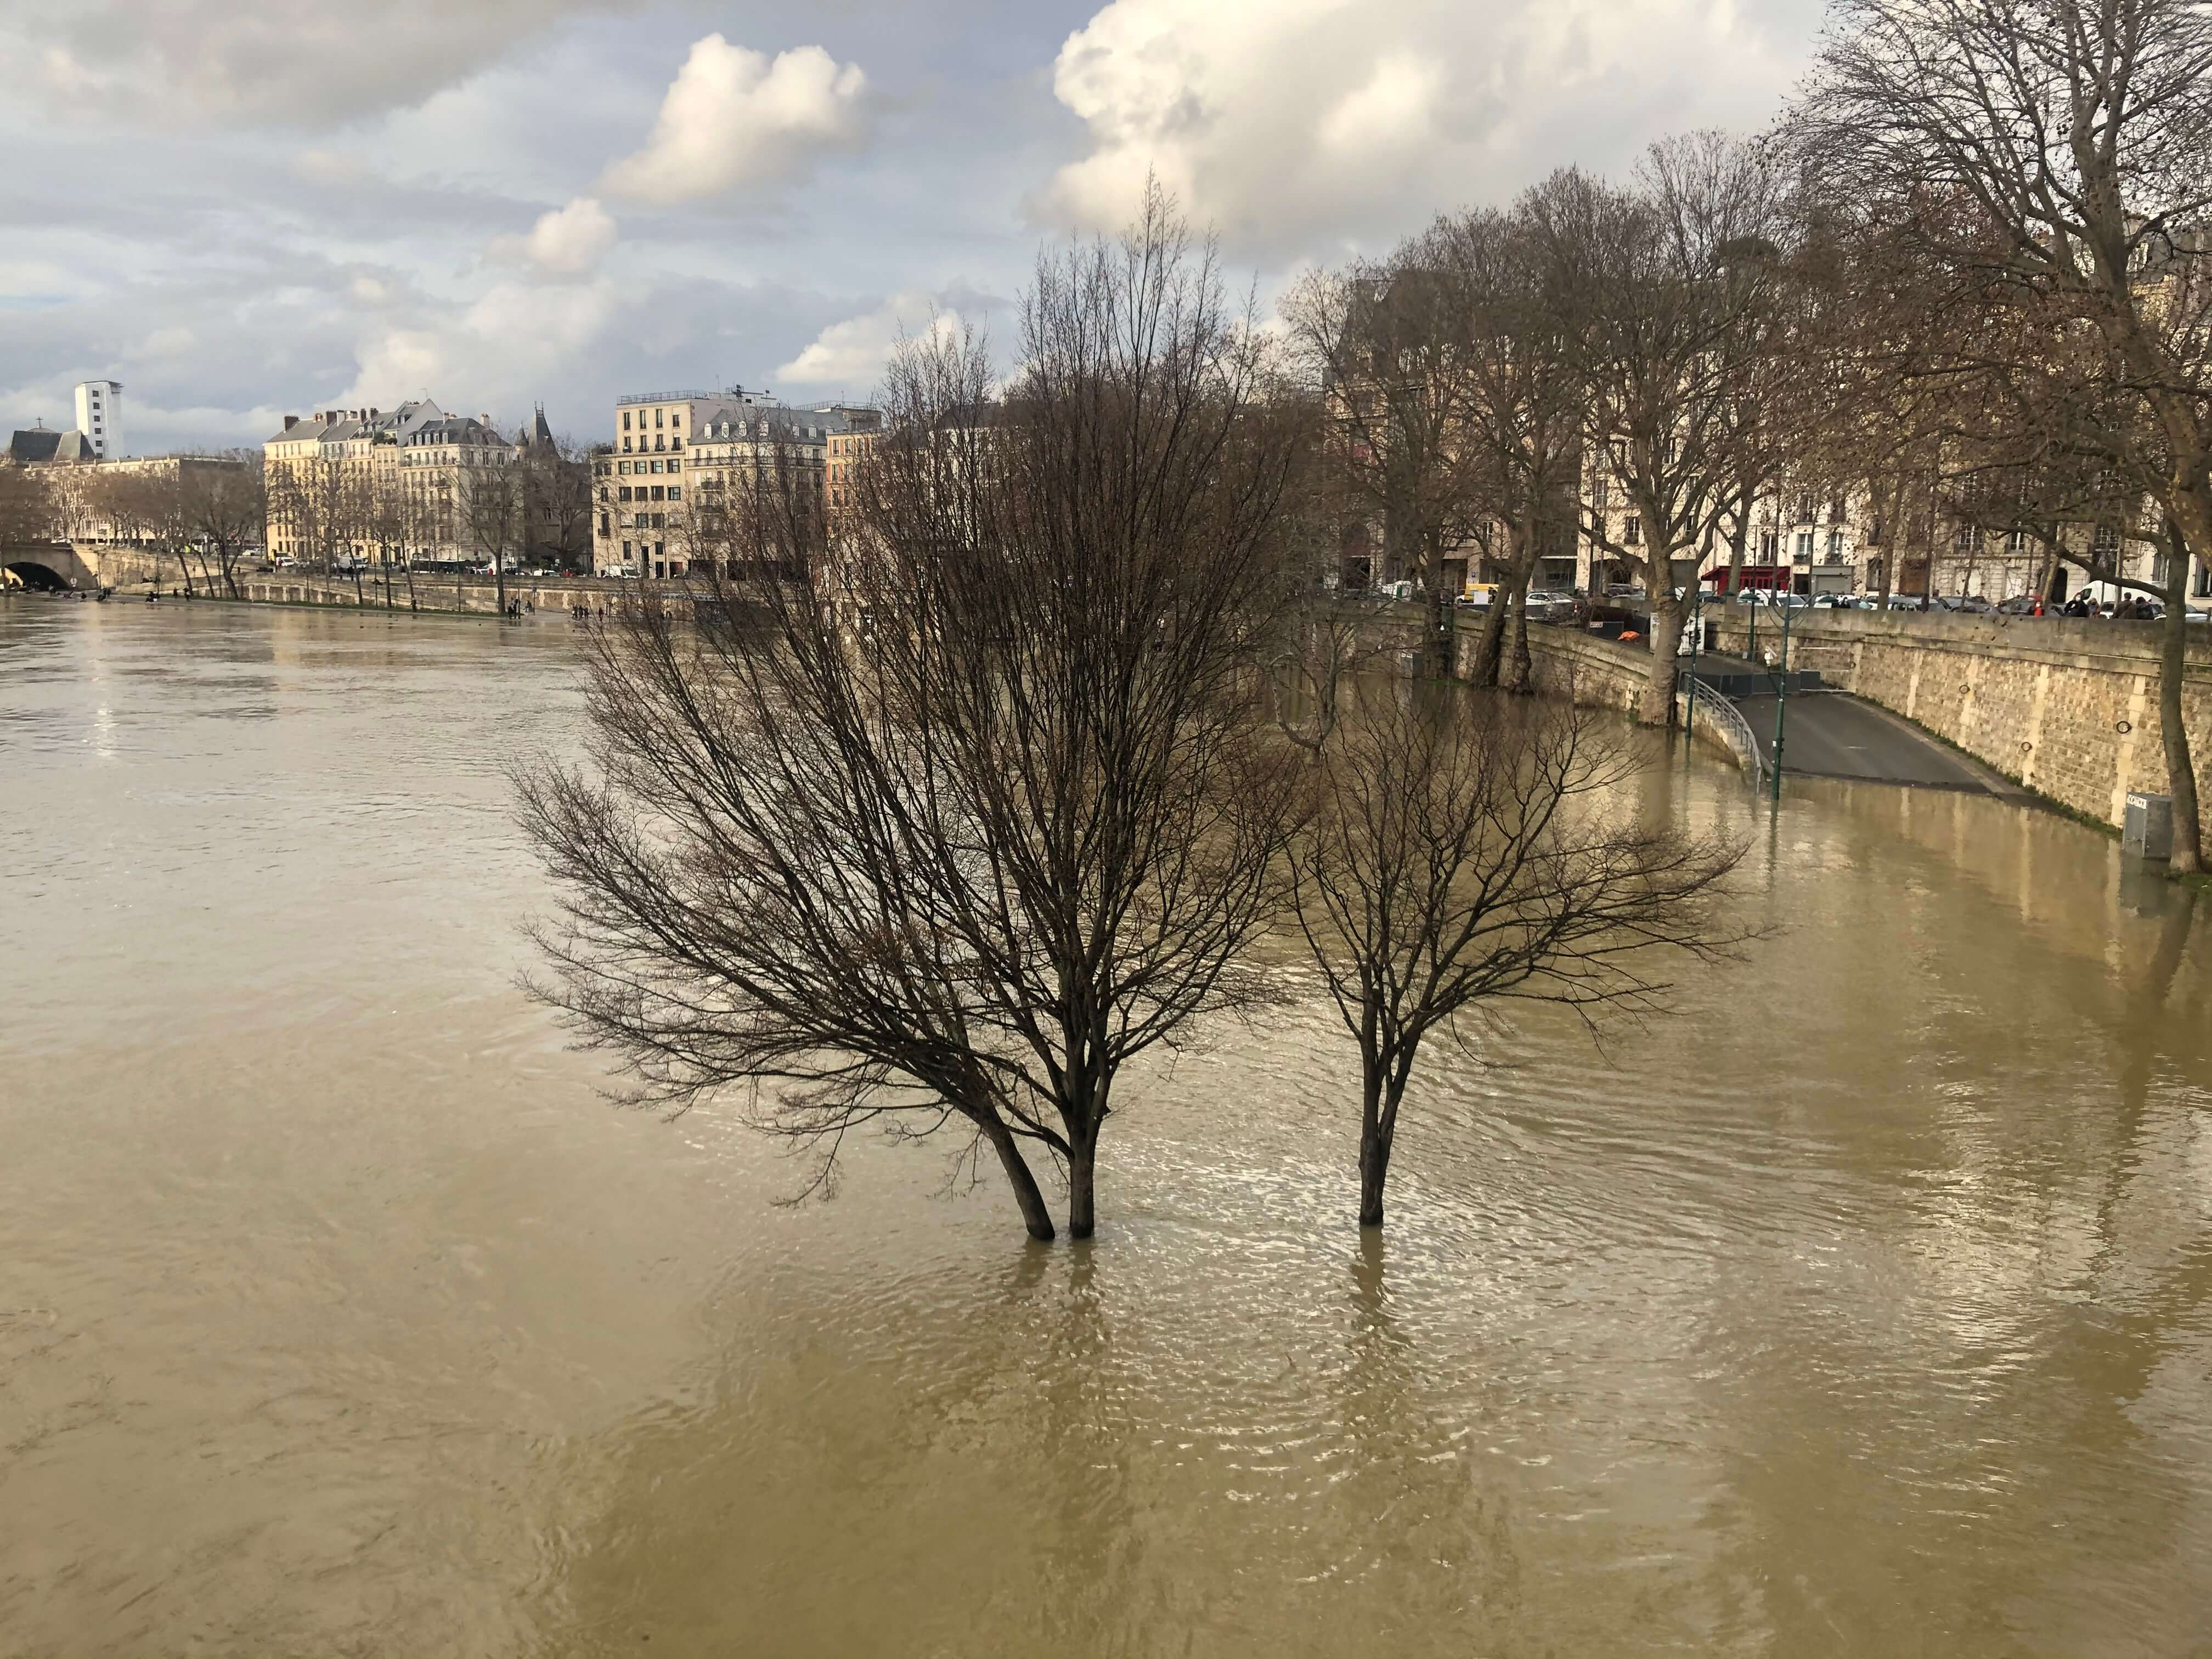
[{"x": 1832, "y": 734}]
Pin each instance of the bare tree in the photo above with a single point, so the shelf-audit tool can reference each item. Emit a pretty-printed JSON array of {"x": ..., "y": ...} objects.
[
  {"x": 226, "y": 510},
  {"x": 28, "y": 511},
  {"x": 558, "y": 493},
  {"x": 1470, "y": 849},
  {"x": 493, "y": 514},
  {"x": 1385, "y": 344},
  {"x": 1521, "y": 424},
  {"x": 1659, "y": 284},
  {"x": 2053, "y": 155},
  {"x": 961, "y": 873}
]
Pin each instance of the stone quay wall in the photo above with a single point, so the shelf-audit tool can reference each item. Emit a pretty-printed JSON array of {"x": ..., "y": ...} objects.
[
  {"x": 475, "y": 594},
  {"x": 1605, "y": 674},
  {"x": 2066, "y": 707}
]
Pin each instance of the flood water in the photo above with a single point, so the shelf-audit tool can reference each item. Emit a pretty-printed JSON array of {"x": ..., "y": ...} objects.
[{"x": 1865, "y": 1308}]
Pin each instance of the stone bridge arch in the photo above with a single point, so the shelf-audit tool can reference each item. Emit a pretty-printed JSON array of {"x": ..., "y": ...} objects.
[{"x": 46, "y": 565}]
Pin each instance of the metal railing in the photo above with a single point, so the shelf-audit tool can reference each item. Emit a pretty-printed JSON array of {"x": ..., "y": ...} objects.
[
  {"x": 1735, "y": 729},
  {"x": 673, "y": 397}
]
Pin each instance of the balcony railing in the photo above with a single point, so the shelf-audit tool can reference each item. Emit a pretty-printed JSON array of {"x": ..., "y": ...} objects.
[{"x": 669, "y": 397}]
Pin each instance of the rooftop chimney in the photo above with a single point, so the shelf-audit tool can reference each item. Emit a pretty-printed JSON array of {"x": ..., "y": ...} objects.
[{"x": 291, "y": 421}]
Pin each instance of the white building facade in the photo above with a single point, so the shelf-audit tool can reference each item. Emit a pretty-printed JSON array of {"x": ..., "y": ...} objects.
[{"x": 100, "y": 416}]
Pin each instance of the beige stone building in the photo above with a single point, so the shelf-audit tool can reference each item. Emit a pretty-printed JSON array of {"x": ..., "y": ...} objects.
[
  {"x": 677, "y": 455},
  {"x": 411, "y": 485}
]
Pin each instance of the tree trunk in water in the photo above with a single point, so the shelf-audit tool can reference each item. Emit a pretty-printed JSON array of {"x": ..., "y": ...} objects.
[
  {"x": 1523, "y": 677},
  {"x": 1374, "y": 1169},
  {"x": 1436, "y": 650},
  {"x": 1482, "y": 668},
  {"x": 1034, "y": 1216},
  {"x": 1082, "y": 1162},
  {"x": 1657, "y": 706},
  {"x": 2180, "y": 766}
]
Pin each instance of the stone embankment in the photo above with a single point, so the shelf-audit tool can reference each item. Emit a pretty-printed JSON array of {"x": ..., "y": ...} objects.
[
  {"x": 2067, "y": 707},
  {"x": 475, "y": 594}
]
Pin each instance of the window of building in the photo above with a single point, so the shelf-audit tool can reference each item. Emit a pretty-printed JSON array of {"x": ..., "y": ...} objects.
[
  {"x": 657, "y": 465},
  {"x": 2205, "y": 580},
  {"x": 676, "y": 466},
  {"x": 1600, "y": 489},
  {"x": 625, "y": 445},
  {"x": 1770, "y": 543},
  {"x": 657, "y": 494},
  {"x": 1631, "y": 530},
  {"x": 1835, "y": 547},
  {"x": 625, "y": 428},
  {"x": 2016, "y": 541},
  {"x": 676, "y": 417},
  {"x": 626, "y": 550},
  {"x": 659, "y": 441},
  {"x": 623, "y": 493},
  {"x": 675, "y": 492},
  {"x": 603, "y": 524},
  {"x": 1804, "y": 547},
  {"x": 657, "y": 415},
  {"x": 2108, "y": 539}
]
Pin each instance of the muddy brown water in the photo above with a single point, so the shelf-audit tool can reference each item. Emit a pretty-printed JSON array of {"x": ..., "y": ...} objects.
[{"x": 1864, "y": 1310}]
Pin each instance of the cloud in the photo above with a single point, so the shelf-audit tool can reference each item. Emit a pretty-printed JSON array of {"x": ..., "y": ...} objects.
[
  {"x": 1289, "y": 123},
  {"x": 222, "y": 62},
  {"x": 571, "y": 238},
  {"x": 734, "y": 121},
  {"x": 850, "y": 355}
]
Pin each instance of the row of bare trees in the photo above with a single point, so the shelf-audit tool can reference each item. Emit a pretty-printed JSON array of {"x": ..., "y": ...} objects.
[
  {"x": 349, "y": 517},
  {"x": 1042, "y": 820},
  {"x": 203, "y": 512},
  {"x": 1966, "y": 284}
]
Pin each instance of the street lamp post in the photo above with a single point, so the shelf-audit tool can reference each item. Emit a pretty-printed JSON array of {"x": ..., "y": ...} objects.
[
  {"x": 1782, "y": 697},
  {"x": 1697, "y": 650}
]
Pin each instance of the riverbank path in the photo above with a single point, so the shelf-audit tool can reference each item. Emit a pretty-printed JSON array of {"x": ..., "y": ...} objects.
[{"x": 1832, "y": 734}]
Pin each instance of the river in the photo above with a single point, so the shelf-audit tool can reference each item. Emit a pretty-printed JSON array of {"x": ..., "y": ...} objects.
[{"x": 1864, "y": 1309}]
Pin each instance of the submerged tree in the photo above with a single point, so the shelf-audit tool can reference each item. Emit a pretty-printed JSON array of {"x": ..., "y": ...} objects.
[
  {"x": 1471, "y": 847},
  {"x": 959, "y": 872}
]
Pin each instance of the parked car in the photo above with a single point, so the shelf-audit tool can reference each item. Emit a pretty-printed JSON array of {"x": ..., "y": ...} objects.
[
  {"x": 2021, "y": 604},
  {"x": 1976, "y": 604},
  {"x": 1549, "y": 605}
]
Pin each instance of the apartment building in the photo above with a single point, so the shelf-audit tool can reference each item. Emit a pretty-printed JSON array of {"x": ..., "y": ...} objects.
[
  {"x": 676, "y": 456},
  {"x": 1815, "y": 541},
  {"x": 389, "y": 486}
]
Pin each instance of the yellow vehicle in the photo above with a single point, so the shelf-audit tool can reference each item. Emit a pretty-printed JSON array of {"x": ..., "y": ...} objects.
[{"x": 1478, "y": 594}]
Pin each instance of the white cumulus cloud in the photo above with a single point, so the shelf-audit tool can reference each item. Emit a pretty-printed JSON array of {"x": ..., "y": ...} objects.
[
  {"x": 734, "y": 120},
  {"x": 572, "y": 238},
  {"x": 850, "y": 355},
  {"x": 1298, "y": 126}
]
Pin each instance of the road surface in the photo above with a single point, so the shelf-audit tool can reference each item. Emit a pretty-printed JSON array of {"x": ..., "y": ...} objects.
[{"x": 1831, "y": 734}]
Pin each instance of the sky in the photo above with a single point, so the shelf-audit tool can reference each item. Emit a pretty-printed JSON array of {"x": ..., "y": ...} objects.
[{"x": 241, "y": 211}]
